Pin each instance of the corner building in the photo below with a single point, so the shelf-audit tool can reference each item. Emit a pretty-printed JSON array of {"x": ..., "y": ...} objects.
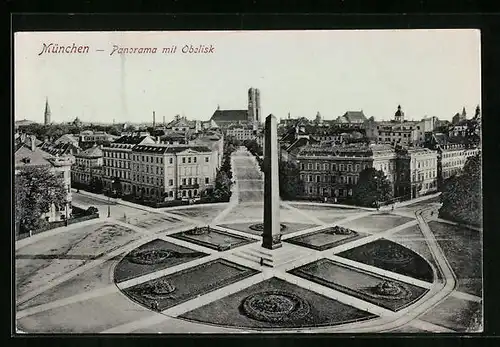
[
  {"x": 166, "y": 172},
  {"x": 333, "y": 171}
]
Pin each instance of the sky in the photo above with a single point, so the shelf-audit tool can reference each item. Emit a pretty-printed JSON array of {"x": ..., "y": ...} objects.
[{"x": 427, "y": 72}]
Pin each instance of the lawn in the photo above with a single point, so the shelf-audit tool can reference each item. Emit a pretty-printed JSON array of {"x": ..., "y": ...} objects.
[
  {"x": 251, "y": 196},
  {"x": 376, "y": 223},
  {"x": 229, "y": 312},
  {"x": 413, "y": 239},
  {"x": 358, "y": 283},
  {"x": 321, "y": 240},
  {"x": 393, "y": 257},
  {"x": 456, "y": 314},
  {"x": 463, "y": 249},
  {"x": 190, "y": 283},
  {"x": 214, "y": 239},
  {"x": 128, "y": 269}
]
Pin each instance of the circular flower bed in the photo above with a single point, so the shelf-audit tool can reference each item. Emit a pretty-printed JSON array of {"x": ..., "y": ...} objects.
[
  {"x": 275, "y": 307},
  {"x": 158, "y": 290},
  {"x": 260, "y": 227},
  {"x": 392, "y": 254},
  {"x": 338, "y": 230},
  {"x": 149, "y": 257},
  {"x": 390, "y": 290}
]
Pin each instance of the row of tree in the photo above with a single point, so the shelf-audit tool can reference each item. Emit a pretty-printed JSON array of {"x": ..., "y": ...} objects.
[
  {"x": 462, "y": 195},
  {"x": 55, "y": 131},
  {"x": 223, "y": 179}
]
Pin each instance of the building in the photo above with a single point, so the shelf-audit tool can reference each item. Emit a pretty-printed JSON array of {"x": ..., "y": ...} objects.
[
  {"x": 97, "y": 137},
  {"x": 117, "y": 161},
  {"x": 27, "y": 154},
  {"x": 241, "y": 132},
  {"x": 459, "y": 117},
  {"x": 88, "y": 166},
  {"x": 398, "y": 131},
  {"x": 60, "y": 148},
  {"x": 416, "y": 172},
  {"x": 184, "y": 126},
  {"x": 249, "y": 117},
  {"x": 164, "y": 172},
  {"x": 352, "y": 118},
  {"x": 333, "y": 171},
  {"x": 47, "y": 113},
  {"x": 453, "y": 153},
  {"x": 214, "y": 140}
]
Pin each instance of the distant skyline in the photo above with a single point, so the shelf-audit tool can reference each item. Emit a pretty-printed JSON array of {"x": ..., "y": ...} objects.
[{"x": 427, "y": 72}]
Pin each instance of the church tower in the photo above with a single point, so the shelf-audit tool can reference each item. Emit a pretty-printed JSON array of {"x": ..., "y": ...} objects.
[
  {"x": 47, "y": 112},
  {"x": 399, "y": 116},
  {"x": 254, "y": 116}
]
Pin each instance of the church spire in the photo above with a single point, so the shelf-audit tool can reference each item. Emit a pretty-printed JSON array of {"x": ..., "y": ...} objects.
[{"x": 47, "y": 113}]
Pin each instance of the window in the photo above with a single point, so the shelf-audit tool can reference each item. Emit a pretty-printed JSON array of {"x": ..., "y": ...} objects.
[
  {"x": 189, "y": 160},
  {"x": 325, "y": 166},
  {"x": 334, "y": 167},
  {"x": 207, "y": 180},
  {"x": 357, "y": 167},
  {"x": 170, "y": 182},
  {"x": 183, "y": 160},
  {"x": 170, "y": 193},
  {"x": 183, "y": 181},
  {"x": 309, "y": 178},
  {"x": 309, "y": 166},
  {"x": 302, "y": 166},
  {"x": 190, "y": 181},
  {"x": 194, "y": 159},
  {"x": 318, "y": 178},
  {"x": 207, "y": 159},
  {"x": 183, "y": 193},
  {"x": 195, "y": 180},
  {"x": 170, "y": 160}
]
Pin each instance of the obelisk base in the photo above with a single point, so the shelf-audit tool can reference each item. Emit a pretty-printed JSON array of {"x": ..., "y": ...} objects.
[{"x": 271, "y": 243}]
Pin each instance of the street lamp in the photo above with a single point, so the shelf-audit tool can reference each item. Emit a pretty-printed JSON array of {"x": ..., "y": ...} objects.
[
  {"x": 109, "y": 198},
  {"x": 376, "y": 201}
]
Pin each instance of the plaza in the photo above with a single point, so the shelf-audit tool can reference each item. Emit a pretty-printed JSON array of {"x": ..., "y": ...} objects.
[{"x": 199, "y": 269}]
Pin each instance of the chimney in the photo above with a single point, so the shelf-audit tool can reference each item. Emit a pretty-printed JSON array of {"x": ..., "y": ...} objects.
[
  {"x": 163, "y": 120},
  {"x": 153, "y": 120},
  {"x": 33, "y": 143}
]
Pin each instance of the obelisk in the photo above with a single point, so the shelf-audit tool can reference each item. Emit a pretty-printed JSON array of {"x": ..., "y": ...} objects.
[{"x": 271, "y": 238}]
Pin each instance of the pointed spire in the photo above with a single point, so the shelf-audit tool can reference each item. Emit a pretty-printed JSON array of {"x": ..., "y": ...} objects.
[{"x": 47, "y": 112}]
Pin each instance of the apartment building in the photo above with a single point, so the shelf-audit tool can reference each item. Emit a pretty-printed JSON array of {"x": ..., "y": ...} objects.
[
  {"x": 88, "y": 164},
  {"x": 166, "y": 172},
  {"x": 332, "y": 171},
  {"x": 416, "y": 172},
  {"x": 117, "y": 161}
]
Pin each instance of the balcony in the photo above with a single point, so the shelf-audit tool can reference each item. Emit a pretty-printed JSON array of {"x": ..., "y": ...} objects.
[{"x": 189, "y": 186}]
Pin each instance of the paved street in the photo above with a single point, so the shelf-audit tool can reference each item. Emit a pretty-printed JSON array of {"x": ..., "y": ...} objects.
[{"x": 87, "y": 292}]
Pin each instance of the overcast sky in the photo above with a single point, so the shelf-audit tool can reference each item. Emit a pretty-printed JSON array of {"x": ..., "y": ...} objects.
[{"x": 428, "y": 72}]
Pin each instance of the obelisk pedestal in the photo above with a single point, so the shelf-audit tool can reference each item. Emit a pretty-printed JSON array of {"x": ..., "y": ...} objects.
[{"x": 271, "y": 238}]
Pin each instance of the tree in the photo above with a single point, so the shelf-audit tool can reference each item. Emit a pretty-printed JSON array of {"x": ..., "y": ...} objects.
[
  {"x": 373, "y": 187},
  {"x": 36, "y": 189},
  {"x": 222, "y": 187},
  {"x": 290, "y": 183},
  {"x": 462, "y": 194}
]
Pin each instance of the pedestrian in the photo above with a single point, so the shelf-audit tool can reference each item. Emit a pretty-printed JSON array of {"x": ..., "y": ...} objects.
[{"x": 261, "y": 261}]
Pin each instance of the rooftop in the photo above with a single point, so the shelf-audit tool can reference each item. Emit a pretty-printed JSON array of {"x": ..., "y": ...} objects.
[{"x": 230, "y": 115}]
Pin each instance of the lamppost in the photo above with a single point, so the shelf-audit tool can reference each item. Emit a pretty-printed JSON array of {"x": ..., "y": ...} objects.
[
  {"x": 109, "y": 198},
  {"x": 376, "y": 200}
]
